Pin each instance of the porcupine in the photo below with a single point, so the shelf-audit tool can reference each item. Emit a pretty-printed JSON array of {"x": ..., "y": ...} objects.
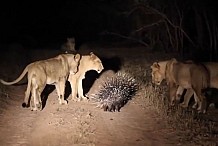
[{"x": 115, "y": 92}]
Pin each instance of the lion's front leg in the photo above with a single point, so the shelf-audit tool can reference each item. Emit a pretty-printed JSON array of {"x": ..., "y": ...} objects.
[
  {"x": 187, "y": 98},
  {"x": 173, "y": 89},
  {"x": 179, "y": 93},
  {"x": 80, "y": 90}
]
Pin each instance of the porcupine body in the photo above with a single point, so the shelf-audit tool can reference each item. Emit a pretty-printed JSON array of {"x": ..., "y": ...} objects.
[{"x": 116, "y": 91}]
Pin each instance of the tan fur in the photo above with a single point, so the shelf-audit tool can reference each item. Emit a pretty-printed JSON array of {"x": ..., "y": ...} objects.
[
  {"x": 87, "y": 63},
  {"x": 51, "y": 71},
  {"x": 212, "y": 67},
  {"x": 187, "y": 75}
]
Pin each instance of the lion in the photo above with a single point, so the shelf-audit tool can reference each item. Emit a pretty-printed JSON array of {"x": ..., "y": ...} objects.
[
  {"x": 189, "y": 75},
  {"x": 188, "y": 94},
  {"x": 87, "y": 63},
  {"x": 51, "y": 71},
  {"x": 69, "y": 46},
  {"x": 212, "y": 68}
]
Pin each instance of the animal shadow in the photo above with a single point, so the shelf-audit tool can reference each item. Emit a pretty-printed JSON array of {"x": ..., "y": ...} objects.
[
  {"x": 49, "y": 89},
  {"x": 45, "y": 93},
  {"x": 113, "y": 63},
  {"x": 67, "y": 90}
]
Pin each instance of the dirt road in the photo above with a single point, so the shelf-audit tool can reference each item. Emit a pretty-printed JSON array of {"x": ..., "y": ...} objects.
[{"x": 79, "y": 123}]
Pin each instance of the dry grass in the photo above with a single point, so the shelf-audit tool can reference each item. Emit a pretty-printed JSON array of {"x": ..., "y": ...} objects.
[
  {"x": 188, "y": 124},
  {"x": 190, "y": 127}
]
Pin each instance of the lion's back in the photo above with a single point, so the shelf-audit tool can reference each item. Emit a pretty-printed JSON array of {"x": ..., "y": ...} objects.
[{"x": 190, "y": 74}]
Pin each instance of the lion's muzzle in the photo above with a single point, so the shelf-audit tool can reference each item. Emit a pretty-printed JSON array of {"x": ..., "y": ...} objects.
[{"x": 100, "y": 69}]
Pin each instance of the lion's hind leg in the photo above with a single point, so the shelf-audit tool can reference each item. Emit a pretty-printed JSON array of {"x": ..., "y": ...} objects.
[
  {"x": 201, "y": 100},
  {"x": 27, "y": 94},
  {"x": 197, "y": 102},
  {"x": 172, "y": 90},
  {"x": 37, "y": 88},
  {"x": 202, "y": 105}
]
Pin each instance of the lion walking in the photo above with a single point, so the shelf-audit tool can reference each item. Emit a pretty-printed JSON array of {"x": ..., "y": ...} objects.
[{"x": 189, "y": 75}]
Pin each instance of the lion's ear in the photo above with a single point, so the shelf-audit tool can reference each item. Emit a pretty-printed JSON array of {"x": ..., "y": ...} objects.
[
  {"x": 77, "y": 57},
  {"x": 155, "y": 65},
  {"x": 93, "y": 56}
]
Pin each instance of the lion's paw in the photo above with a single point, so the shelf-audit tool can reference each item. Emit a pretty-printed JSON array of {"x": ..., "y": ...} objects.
[
  {"x": 183, "y": 105},
  {"x": 64, "y": 102},
  {"x": 83, "y": 99},
  {"x": 202, "y": 111},
  {"x": 194, "y": 106}
]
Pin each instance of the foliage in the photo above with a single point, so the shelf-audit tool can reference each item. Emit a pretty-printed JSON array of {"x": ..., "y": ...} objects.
[
  {"x": 189, "y": 127},
  {"x": 186, "y": 27}
]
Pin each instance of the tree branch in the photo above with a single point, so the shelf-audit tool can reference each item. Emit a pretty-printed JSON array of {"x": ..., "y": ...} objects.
[{"x": 126, "y": 37}]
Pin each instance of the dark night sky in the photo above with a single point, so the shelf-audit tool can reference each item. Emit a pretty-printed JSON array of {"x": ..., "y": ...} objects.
[
  {"x": 49, "y": 20},
  {"x": 21, "y": 17},
  {"x": 56, "y": 20}
]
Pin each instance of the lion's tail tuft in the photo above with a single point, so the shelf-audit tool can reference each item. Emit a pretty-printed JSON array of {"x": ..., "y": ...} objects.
[{"x": 24, "y": 105}]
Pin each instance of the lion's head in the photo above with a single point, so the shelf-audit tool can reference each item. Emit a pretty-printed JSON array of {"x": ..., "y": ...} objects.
[
  {"x": 94, "y": 63},
  {"x": 158, "y": 72},
  {"x": 87, "y": 63}
]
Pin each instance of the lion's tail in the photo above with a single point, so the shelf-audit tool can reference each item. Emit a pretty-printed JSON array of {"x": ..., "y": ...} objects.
[{"x": 18, "y": 79}]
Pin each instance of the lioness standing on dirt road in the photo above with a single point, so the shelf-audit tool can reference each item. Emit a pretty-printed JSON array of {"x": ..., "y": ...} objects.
[
  {"x": 51, "y": 71},
  {"x": 87, "y": 63}
]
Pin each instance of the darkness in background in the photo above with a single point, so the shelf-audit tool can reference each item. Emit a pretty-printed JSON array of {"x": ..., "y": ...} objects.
[
  {"x": 43, "y": 22},
  {"x": 52, "y": 21}
]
